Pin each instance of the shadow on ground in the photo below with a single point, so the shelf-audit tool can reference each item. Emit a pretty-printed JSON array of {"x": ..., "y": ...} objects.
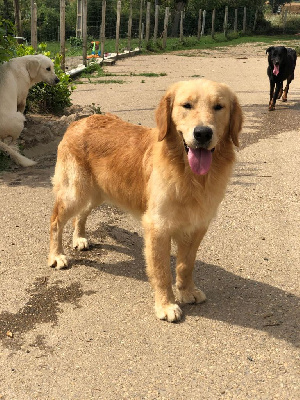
[{"x": 231, "y": 298}]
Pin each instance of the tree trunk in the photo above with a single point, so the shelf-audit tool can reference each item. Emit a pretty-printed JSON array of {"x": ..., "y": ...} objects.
[
  {"x": 179, "y": 6},
  {"x": 18, "y": 18}
]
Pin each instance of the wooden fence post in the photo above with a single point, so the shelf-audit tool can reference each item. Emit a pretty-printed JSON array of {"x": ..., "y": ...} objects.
[
  {"x": 199, "y": 24},
  {"x": 203, "y": 23},
  {"x": 226, "y": 21},
  {"x": 181, "y": 25},
  {"x": 165, "y": 34},
  {"x": 129, "y": 26},
  {"x": 284, "y": 19},
  {"x": 140, "y": 24},
  {"x": 79, "y": 19},
  {"x": 102, "y": 31},
  {"x": 62, "y": 34},
  {"x": 245, "y": 20},
  {"x": 156, "y": 23},
  {"x": 148, "y": 21},
  {"x": 84, "y": 32},
  {"x": 213, "y": 17},
  {"x": 235, "y": 20},
  {"x": 118, "y": 25},
  {"x": 33, "y": 25},
  {"x": 255, "y": 20}
]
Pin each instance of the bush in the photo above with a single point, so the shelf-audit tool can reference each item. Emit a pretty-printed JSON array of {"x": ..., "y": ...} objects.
[
  {"x": 44, "y": 98},
  {"x": 7, "y": 42}
]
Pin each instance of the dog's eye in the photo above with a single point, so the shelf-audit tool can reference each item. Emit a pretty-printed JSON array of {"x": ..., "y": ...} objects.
[
  {"x": 48, "y": 69},
  {"x": 187, "y": 105},
  {"x": 218, "y": 107}
]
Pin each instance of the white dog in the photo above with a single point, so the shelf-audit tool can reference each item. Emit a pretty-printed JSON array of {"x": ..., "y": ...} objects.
[{"x": 17, "y": 76}]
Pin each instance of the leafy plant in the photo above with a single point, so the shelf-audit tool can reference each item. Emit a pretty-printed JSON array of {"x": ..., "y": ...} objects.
[{"x": 7, "y": 42}]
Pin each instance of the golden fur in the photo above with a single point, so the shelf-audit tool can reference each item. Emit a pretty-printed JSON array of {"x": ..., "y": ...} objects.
[{"x": 146, "y": 172}]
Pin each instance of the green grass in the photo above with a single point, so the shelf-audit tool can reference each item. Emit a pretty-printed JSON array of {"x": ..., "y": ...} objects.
[{"x": 98, "y": 81}]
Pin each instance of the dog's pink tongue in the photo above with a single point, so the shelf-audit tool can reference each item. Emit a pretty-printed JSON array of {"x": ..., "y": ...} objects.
[
  {"x": 200, "y": 160},
  {"x": 276, "y": 70}
]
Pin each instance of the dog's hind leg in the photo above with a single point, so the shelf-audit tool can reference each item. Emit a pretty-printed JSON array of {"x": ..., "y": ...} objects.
[
  {"x": 80, "y": 241},
  {"x": 72, "y": 188},
  {"x": 187, "y": 246},
  {"x": 286, "y": 89},
  {"x": 280, "y": 91}
]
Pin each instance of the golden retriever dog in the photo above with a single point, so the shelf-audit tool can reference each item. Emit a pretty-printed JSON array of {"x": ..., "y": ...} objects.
[
  {"x": 173, "y": 177},
  {"x": 17, "y": 76}
]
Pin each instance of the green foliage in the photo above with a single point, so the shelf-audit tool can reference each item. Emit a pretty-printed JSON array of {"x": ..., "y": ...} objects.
[
  {"x": 7, "y": 42},
  {"x": 44, "y": 98}
]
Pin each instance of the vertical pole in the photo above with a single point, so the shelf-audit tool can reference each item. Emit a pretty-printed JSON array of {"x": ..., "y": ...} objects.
[
  {"x": 79, "y": 19},
  {"x": 199, "y": 24},
  {"x": 84, "y": 32},
  {"x": 129, "y": 25},
  {"x": 203, "y": 23},
  {"x": 148, "y": 22},
  {"x": 156, "y": 23},
  {"x": 213, "y": 18},
  {"x": 33, "y": 25},
  {"x": 245, "y": 20},
  {"x": 284, "y": 19},
  {"x": 181, "y": 26},
  {"x": 62, "y": 34},
  {"x": 102, "y": 35},
  {"x": 225, "y": 21},
  {"x": 118, "y": 25},
  {"x": 140, "y": 24},
  {"x": 255, "y": 20},
  {"x": 235, "y": 20},
  {"x": 165, "y": 34}
]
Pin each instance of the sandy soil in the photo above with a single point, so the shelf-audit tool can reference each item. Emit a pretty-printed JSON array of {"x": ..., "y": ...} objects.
[{"x": 90, "y": 332}]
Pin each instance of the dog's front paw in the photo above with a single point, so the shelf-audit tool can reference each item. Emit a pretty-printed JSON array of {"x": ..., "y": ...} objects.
[
  {"x": 169, "y": 312},
  {"x": 58, "y": 261},
  {"x": 80, "y": 243},
  {"x": 271, "y": 106},
  {"x": 190, "y": 296}
]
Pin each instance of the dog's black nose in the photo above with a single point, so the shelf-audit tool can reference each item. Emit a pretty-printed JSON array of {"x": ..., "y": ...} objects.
[
  {"x": 56, "y": 80},
  {"x": 203, "y": 134}
]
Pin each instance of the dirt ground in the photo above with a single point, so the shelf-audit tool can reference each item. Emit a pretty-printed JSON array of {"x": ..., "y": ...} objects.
[{"x": 89, "y": 332}]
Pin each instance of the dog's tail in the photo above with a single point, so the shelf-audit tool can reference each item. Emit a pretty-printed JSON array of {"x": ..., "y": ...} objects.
[{"x": 16, "y": 156}]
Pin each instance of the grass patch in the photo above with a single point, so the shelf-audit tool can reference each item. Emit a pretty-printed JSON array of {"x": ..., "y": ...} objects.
[{"x": 104, "y": 82}]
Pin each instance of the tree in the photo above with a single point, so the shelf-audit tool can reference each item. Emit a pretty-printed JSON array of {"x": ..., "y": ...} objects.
[
  {"x": 18, "y": 21},
  {"x": 179, "y": 6}
]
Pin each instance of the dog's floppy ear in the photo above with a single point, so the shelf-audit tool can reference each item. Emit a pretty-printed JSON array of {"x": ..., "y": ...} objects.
[
  {"x": 33, "y": 67},
  {"x": 163, "y": 116},
  {"x": 236, "y": 120},
  {"x": 270, "y": 49}
]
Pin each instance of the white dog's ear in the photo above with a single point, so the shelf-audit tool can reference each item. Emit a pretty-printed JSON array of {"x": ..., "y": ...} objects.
[
  {"x": 33, "y": 67},
  {"x": 163, "y": 116},
  {"x": 236, "y": 120}
]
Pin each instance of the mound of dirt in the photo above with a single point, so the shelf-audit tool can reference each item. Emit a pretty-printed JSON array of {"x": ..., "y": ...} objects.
[{"x": 45, "y": 128}]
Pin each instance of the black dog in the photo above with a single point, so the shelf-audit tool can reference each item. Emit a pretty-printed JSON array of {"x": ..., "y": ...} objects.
[{"x": 282, "y": 63}]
